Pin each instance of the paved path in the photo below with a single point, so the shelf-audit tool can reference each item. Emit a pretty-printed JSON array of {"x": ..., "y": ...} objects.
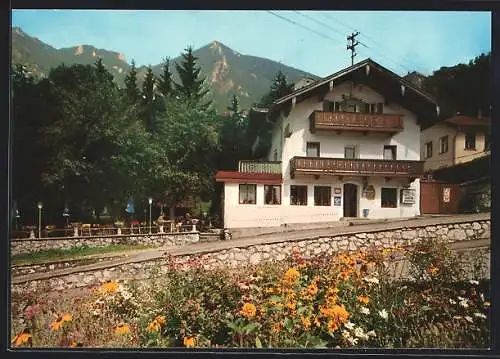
[{"x": 200, "y": 248}]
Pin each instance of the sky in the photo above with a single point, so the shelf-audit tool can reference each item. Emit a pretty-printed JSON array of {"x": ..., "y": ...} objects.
[{"x": 312, "y": 41}]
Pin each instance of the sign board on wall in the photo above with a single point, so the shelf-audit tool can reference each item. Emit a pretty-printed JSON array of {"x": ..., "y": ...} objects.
[
  {"x": 446, "y": 194},
  {"x": 337, "y": 201},
  {"x": 408, "y": 196}
]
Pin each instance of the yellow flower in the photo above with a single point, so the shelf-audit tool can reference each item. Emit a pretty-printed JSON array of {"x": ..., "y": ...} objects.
[
  {"x": 364, "y": 299},
  {"x": 291, "y": 304},
  {"x": 248, "y": 310},
  {"x": 189, "y": 342},
  {"x": 122, "y": 329},
  {"x": 67, "y": 318},
  {"x": 433, "y": 269},
  {"x": 154, "y": 327},
  {"x": 109, "y": 287},
  {"x": 306, "y": 322},
  {"x": 275, "y": 328},
  {"x": 22, "y": 338},
  {"x": 161, "y": 320},
  {"x": 317, "y": 322},
  {"x": 291, "y": 275},
  {"x": 332, "y": 326}
]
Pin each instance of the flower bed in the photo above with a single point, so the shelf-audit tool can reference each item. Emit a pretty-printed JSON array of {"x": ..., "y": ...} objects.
[{"x": 339, "y": 301}]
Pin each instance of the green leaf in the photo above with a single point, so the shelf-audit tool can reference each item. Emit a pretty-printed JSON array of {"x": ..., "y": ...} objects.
[
  {"x": 251, "y": 327},
  {"x": 288, "y": 323}
]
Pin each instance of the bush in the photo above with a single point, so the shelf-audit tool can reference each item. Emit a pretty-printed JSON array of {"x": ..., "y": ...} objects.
[{"x": 345, "y": 300}]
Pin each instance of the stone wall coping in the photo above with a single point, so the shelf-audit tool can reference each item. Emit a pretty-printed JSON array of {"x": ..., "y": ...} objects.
[
  {"x": 152, "y": 235},
  {"x": 208, "y": 247}
]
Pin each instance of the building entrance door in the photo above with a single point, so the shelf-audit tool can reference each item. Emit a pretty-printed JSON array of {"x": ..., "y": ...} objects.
[{"x": 350, "y": 200}]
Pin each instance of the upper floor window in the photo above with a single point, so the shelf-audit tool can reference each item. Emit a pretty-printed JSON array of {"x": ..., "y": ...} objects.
[
  {"x": 298, "y": 195},
  {"x": 248, "y": 193},
  {"x": 322, "y": 196},
  {"x": 428, "y": 149},
  {"x": 272, "y": 194},
  {"x": 470, "y": 140},
  {"x": 312, "y": 149},
  {"x": 350, "y": 152},
  {"x": 443, "y": 144},
  {"x": 390, "y": 153}
]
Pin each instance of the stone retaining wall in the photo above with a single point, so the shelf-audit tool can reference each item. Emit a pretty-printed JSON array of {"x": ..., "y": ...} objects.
[
  {"x": 253, "y": 254},
  {"x": 21, "y": 246}
]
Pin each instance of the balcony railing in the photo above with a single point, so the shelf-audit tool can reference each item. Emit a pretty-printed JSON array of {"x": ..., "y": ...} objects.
[
  {"x": 347, "y": 121},
  {"x": 349, "y": 167},
  {"x": 260, "y": 167}
]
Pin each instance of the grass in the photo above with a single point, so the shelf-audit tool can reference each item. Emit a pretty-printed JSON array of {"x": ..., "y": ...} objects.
[{"x": 71, "y": 253}]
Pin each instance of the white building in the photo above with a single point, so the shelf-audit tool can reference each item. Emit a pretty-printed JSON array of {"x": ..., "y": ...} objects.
[{"x": 347, "y": 145}]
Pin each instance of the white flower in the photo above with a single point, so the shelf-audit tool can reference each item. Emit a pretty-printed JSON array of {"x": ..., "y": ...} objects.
[
  {"x": 469, "y": 319},
  {"x": 359, "y": 333},
  {"x": 383, "y": 314},
  {"x": 463, "y": 303},
  {"x": 349, "y": 325},
  {"x": 371, "y": 333},
  {"x": 461, "y": 299},
  {"x": 365, "y": 310},
  {"x": 371, "y": 280},
  {"x": 482, "y": 297},
  {"x": 352, "y": 341},
  {"x": 452, "y": 301},
  {"x": 346, "y": 334},
  {"x": 480, "y": 315},
  {"x": 457, "y": 317},
  {"x": 473, "y": 282}
]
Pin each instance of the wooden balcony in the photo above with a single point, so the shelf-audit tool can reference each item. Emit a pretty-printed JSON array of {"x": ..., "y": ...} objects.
[
  {"x": 355, "y": 167},
  {"x": 347, "y": 121},
  {"x": 260, "y": 167}
]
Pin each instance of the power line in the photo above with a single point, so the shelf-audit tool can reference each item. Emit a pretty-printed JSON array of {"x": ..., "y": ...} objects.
[
  {"x": 403, "y": 66},
  {"x": 319, "y": 22},
  {"x": 302, "y": 26}
]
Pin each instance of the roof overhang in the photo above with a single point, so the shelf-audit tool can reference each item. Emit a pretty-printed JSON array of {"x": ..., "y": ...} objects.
[
  {"x": 371, "y": 74},
  {"x": 248, "y": 177}
]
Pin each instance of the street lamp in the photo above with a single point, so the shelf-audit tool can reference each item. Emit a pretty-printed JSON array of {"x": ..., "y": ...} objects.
[
  {"x": 66, "y": 215},
  {"x": 40, "y": 206},
  {"x": 150, "y": 200},
  {"x": 17, "y": 219}
]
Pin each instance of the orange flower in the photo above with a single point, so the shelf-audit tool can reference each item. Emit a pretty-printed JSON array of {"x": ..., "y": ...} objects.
[
  {"x": 248, "y": 310},
  {"x": 23, "y": 337},
  {"x": 122, "y": 329},
  {"x": 109, "y": 287},
  {"x": 67, "y": 318},
  {"x": 306, "y": 322},
  {"x": 291, "y": 275},
  {"x": 161, "y": 320},
  {"x": 154, "y": 327},
  {"x": 76, "y": 345},
  {"x": 189, "y": 342},
  {"x": 332, "y": 326},
  {"x": 364, "y": 299},
  {"x": 433, "y": 269},
  {"x": 336, "y": 315}
]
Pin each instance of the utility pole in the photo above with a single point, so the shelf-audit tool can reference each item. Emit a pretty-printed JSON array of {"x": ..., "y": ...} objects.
[{"x": 351, "y": 45}]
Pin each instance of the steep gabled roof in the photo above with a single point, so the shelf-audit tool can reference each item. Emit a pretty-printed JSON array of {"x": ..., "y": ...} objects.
[
  {"x": 377, "y": 77},
  {"x": 467, "y": 121}
]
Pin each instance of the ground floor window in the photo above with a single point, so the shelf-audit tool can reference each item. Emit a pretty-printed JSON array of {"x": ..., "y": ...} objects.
[
  {"x": 248, "y": 193},
  {"x": 322, "y": 196},
  {"x": 389, "y": 197},
  {"x": 298, "y": 195},
  {"x": 272, "y": 194}
]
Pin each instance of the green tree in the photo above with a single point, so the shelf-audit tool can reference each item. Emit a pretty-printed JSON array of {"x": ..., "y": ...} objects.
[
  {"x": 148, "y": 100},
  {"x": 191, "y": 87},
  {"x": 165, "y": 82},
  {"x": 185, "y": 139},
  {"x": 132, "y": 92},
  {"x": 257, "y": 128}
]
